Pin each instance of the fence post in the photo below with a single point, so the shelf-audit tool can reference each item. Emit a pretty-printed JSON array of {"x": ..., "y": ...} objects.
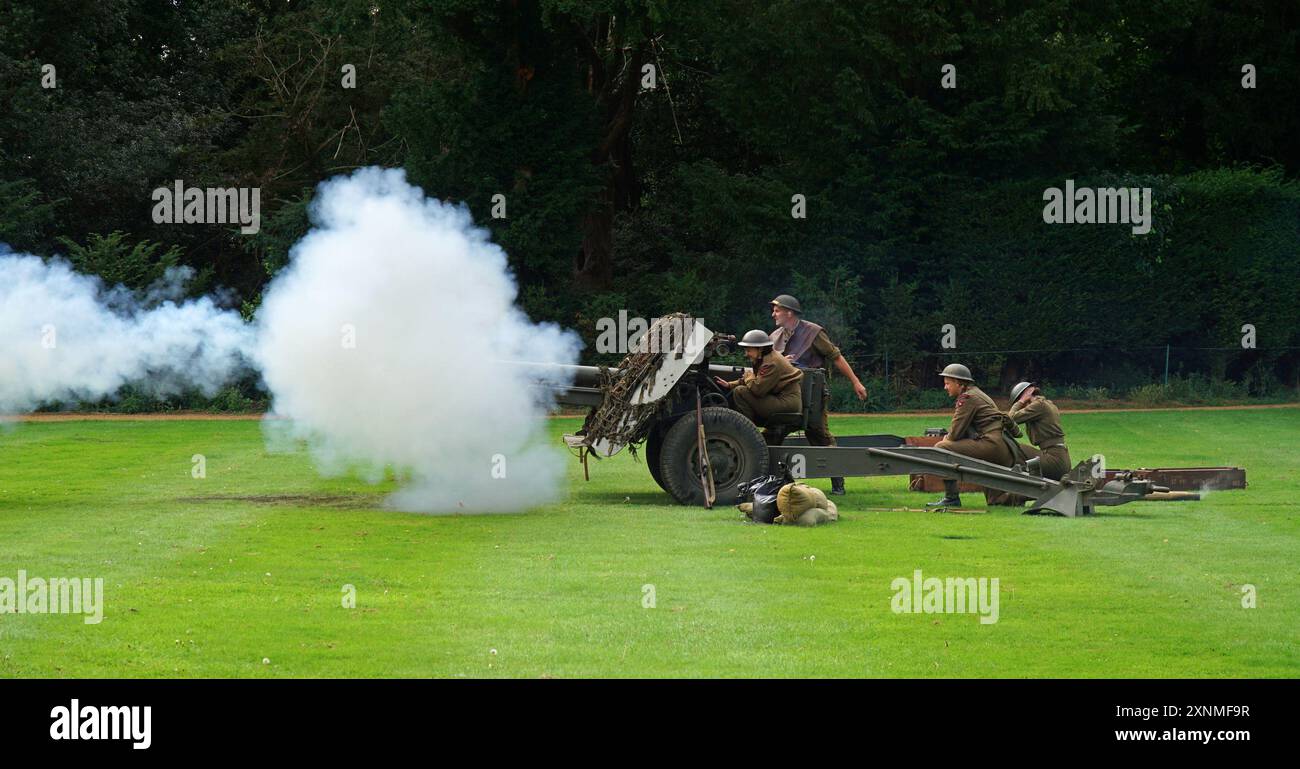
[{"x": 1166, "y": 365}]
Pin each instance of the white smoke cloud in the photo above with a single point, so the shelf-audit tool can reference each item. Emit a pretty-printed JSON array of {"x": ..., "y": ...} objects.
[
  {"x": 385, "y": 343},
  {"x": 67, "y": 337}
]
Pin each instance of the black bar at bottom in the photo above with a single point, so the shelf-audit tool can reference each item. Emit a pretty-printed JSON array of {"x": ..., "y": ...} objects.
[{"x": 333, "y": 718}]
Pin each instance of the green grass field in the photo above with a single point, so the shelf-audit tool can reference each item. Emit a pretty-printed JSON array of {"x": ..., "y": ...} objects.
[{"x": 210, "y": 577}]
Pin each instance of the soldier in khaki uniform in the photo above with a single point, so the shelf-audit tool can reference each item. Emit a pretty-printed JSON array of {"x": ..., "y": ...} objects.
[
  {"x": 806, "y": 345},
  {"x": 770, "y": 386},
  {"x": 1042, "y": 423},
  {"x": 976, "y": 429}
]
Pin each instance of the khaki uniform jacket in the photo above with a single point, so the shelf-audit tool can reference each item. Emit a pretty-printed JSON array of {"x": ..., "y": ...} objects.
[
  {"x": 776, "y": 377},
  {"x": 1042, "y": 421},
  {"x": 975, "y": 416}
]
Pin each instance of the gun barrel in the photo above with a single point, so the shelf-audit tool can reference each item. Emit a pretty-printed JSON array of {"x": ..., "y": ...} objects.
[
  {"x": 559, "y": 374},
  {"x": 580, "y": 385},
  {"x": 729, "y": 373},
  {"x": 571, "y": 385}
]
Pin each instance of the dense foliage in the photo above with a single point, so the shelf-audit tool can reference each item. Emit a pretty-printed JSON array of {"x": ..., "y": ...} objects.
[{"x": 923, "y": 203}]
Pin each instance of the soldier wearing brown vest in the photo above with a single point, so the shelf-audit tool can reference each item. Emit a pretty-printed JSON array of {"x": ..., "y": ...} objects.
[
  {"x": 806, "y": 345},
  {"x": 976, "y": 429},
  {"x": 772, "y": 385},
  {"x": 1042, "y": 423}
]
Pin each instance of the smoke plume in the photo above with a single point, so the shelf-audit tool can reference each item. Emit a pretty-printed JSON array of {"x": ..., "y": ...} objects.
[
  {"x": 67, "y": 337},
  {"x": 385, "y": 343}
]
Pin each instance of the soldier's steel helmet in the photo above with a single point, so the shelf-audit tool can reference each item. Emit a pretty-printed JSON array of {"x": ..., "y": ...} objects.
[
  {"x": 788, "y": 302},
  {"x": 756, "y": 338},
  {"x": 1019, "y": 389},
  {"x": 956, "y": 371}
]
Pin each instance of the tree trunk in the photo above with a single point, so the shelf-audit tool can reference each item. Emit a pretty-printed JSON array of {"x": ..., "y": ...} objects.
[{"x": 594, "y": 262}]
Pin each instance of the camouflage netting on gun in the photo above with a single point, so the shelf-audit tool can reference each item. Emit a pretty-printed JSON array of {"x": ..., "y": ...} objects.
[{"x": 617, "y": 419}]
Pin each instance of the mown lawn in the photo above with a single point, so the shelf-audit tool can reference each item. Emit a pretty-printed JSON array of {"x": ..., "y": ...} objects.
[{"x": 211, "y": 577}]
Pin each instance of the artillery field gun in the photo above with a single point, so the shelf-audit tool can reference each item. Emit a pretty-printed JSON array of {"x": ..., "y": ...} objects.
[{"x": 700, "y": 450}]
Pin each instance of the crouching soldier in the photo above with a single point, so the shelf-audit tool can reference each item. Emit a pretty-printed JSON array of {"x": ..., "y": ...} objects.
[
  {"x": 976, "y": 429},
  {"x": 1042, "y": 423},
  {"x": 771, "y": 385}
]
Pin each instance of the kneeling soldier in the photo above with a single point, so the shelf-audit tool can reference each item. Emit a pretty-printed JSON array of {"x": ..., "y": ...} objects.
[
  {"x": 772, "y": 385},
  {"x": 976, "y": 429},
  {"x": 1042, "y": 421}
]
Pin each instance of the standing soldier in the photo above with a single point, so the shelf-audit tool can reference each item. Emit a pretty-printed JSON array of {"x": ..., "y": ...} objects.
[
  {"x": 976, "y": 429},
  {"x": 806, "y": 345},
  {"x": 772, "y": 385},
  {"x": 1042, "y": 421}
]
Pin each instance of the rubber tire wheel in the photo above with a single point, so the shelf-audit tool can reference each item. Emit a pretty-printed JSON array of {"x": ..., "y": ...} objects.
[
  {"x": 654, "y": 450},
  {"x": 741, "y": 456}
]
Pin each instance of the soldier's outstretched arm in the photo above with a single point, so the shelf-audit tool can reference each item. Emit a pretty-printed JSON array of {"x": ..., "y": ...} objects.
[
  {"x": 844, "y": 368},
  {"x": 831, "y": 353}
]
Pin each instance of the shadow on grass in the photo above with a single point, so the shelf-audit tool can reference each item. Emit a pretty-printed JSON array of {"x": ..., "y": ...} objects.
[{"x": 1128, "y": 514}]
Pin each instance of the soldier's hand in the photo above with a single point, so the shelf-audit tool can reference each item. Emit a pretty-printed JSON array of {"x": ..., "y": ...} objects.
[
  {"x": 860, "y": 391},
  {"x": 724, "y": 384}
]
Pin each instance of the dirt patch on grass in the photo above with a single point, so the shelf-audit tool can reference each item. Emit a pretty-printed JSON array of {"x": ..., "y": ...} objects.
[{"x": 337, "y": 501}]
